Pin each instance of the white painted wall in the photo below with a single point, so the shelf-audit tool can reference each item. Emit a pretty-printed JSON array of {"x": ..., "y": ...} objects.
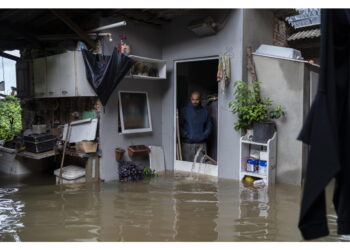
[{"x": 145, "y": 41}]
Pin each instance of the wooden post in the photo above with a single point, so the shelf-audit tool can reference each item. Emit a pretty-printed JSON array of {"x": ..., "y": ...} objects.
[
  {"x": 178, "y": 135},
  {"x": 73, "y": 26}
]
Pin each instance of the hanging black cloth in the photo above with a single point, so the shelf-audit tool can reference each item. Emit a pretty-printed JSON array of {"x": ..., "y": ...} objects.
[
  {"x": 105, "y": 72},
  {"x": 327, "y": 131}
]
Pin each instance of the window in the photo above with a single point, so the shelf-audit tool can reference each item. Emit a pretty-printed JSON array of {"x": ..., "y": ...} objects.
[{"x": 134, "y": 112}]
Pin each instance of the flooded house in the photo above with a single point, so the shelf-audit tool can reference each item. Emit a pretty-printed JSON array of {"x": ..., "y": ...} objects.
[{"x": 174, "y": 53}]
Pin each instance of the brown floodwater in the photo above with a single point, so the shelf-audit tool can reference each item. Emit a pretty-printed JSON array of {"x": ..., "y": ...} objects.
[{"x": 174, "y": 207}]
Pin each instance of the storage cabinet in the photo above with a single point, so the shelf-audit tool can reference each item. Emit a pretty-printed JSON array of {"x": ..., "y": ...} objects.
[
  {"x": 61, "y": 75},
  {"x": 83, "y": 87},
  {"x": 269, "y": 149}
]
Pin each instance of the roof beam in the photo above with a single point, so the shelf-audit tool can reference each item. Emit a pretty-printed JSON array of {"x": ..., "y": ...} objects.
[
  {"x": 8, "y": 13},
  {"x": 22, "y": 33},
  {"x": 73, "y": 26},
  {"x": 8, "y": 56}
]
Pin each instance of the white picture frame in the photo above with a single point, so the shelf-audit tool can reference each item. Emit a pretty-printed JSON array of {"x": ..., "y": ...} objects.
[{"x": 122, "y": 117}]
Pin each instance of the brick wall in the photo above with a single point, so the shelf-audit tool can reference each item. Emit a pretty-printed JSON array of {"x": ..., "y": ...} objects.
[{"x": 279, "y": 33}]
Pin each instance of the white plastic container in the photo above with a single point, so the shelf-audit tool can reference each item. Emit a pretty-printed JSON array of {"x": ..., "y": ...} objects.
[
  {"x": 71, "y": 174},
  {"x": 277, "y": 51},
  {"x": 39, "y": 129},
  {"x": 262, "y": 167},
  {"x": 263, "y": 156}
]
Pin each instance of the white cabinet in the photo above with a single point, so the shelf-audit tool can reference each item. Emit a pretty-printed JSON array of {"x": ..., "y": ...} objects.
[
  {"x": 61, "y": 75},
  {"x": 144, "y": 66},
  {"x": 269, "y": 148},
  {"x": 39, "y": 74},
  {"x": 83, "y": 87}
]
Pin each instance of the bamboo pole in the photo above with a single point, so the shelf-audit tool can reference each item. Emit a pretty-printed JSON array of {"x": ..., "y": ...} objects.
[{"x": 178, "y": 135}]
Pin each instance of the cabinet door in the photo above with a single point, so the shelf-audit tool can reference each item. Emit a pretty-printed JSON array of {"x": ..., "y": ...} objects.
[
  {"x": 67, "y": 76},
  {"x": 53, "y": 76},
  {"x": 39, "y": 72},
  {"x": 61, "y": 75},
  {"x": 83, "y": 86}
]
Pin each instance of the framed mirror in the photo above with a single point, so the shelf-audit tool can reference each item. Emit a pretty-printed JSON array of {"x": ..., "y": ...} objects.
[{"x": 134, "y": 112}]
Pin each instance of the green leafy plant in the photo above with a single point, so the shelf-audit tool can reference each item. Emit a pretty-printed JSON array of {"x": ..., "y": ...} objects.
[
  {"x": 10, "y": 118},
  {"x": 250, "y": 107},
  {"x": 148, "y": 172}
]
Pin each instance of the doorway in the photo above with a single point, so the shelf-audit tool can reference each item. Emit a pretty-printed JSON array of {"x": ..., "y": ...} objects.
[{"x": 197, "y": 75}]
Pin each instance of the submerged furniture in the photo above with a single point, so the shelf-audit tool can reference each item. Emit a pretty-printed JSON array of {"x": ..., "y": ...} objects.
[{"x": 245, "y": 150}]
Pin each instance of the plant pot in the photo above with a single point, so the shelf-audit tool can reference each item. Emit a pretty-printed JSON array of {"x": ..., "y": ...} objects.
[
  {"x": 263, "y": 131},
  {"x": 119, "y": 153},
  {"x": 138, "y": 150}
]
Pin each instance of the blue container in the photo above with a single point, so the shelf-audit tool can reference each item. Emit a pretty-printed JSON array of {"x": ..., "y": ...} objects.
[
  {"x": 252, "y": 165},
  {"x": 263, "y": 167}
]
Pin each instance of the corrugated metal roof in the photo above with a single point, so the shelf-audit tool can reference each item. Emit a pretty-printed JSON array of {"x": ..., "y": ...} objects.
[
  {"x": 305, "y": 34},
  {"x": 306, "y": 17}
]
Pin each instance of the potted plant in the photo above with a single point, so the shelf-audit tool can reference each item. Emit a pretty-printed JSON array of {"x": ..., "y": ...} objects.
[
  {"x": 119, "y": 153},
  {"x": 254, "y": 112}
]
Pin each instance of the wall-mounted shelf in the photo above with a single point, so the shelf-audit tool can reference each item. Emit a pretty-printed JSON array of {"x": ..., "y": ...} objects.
[
  {"x": 270, "y": 148},
  {"x": 145, "y": 66}
]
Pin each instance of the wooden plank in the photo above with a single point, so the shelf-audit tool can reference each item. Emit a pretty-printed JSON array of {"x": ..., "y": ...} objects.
[
  {"x": 8, "y": 56},
  {"x": 37, "y": 156},
  {"x": 84, "y": 36}
]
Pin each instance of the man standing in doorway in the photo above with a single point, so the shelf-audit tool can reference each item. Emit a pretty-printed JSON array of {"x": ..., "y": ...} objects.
[{"x": 195, "y": 127}]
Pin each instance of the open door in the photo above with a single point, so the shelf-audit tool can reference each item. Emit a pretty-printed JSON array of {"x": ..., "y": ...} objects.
[{"x": 197, "y": 75}]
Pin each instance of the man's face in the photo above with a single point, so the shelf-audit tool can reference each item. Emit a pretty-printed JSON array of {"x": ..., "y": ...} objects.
[{"x": 195, "y": 100}]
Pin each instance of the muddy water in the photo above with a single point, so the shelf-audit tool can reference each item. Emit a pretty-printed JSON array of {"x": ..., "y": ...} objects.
[{"x": 166, "y": 208}]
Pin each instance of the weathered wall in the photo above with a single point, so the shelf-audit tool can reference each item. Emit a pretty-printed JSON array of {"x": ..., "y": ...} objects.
[
  {"x": 145, "y": 41},
  {"x": 180, "y": 43},
  {"x": 286, "y": 82}
]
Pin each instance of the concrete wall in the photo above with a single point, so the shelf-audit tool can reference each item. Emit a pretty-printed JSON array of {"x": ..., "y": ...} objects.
[
  {"x": 172, "y": 43},
  {"x": 180, "y": 43},
  {"x": 145, "y": 41},
  {"x": 258, "y": 29},
  {"x": 286, "y": 82}
]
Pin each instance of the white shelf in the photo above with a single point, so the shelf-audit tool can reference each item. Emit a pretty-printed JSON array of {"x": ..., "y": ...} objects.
[
  {"x": 157, "y": 64},
  {"x": 270, "y": 146},
  {"x": 145, "y": 77},
  {"x": 146, "y": 59},
  {"x": 245, "y": 173},
  {"x": 254, "y": 143}
]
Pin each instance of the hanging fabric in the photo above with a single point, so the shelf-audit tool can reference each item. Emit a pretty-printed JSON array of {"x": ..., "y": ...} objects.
[
  {"x": 223, "y": 75},
  {"x": 104, "y": 73},
  {"x": 327, "y": 132}
]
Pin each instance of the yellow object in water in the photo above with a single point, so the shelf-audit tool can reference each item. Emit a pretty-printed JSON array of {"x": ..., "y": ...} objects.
[{"x": 248, "y": 179}]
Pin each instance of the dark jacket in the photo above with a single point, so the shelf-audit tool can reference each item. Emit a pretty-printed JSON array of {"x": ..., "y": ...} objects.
[
  {"x": 195, "y": 124},
  {"x": 326, "y": 130}
]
